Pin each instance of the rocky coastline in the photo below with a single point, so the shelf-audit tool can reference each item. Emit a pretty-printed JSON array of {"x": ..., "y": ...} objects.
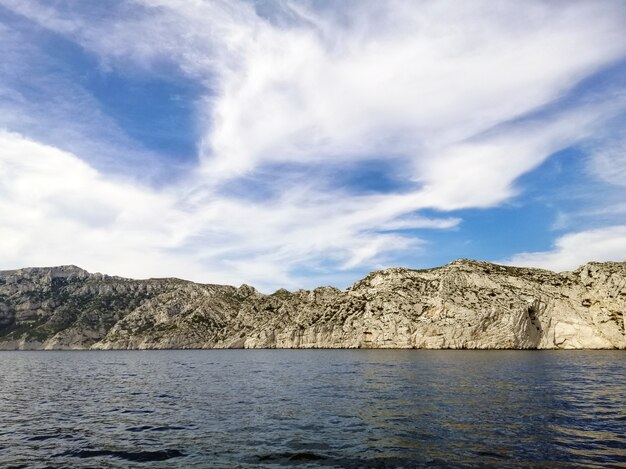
[{"x": 463, "y": 305}]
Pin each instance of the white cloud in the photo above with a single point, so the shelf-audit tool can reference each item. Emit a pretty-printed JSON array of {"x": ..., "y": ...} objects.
[
  {"x": 481, "y": 172},
  {"x": 403, "y": 80},
  {"x": 55, "y": 209},
  {"x": 608, "y": 162},
  {"x": 399, "y": 79},
  {"x": 574, "y": 249},
  {"x": 40, "y": 99}
]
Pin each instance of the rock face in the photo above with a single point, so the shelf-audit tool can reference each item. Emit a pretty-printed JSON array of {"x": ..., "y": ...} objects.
[{"x": 463, "y": 305}]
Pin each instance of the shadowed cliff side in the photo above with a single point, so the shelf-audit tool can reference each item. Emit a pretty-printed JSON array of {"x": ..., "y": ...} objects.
[{"x": 463, "y": 305}]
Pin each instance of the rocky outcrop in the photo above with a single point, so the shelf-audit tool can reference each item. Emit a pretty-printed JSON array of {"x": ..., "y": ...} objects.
[{"x": 463, "y": 305}]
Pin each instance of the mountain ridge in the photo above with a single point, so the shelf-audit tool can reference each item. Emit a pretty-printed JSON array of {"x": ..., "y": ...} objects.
[{"x": 465, "y": 304}]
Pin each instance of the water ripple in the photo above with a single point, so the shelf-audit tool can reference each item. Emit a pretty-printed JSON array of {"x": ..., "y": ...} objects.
[
  {"x": 137, "y": 456},
  {"x": 352, "y": 409}
]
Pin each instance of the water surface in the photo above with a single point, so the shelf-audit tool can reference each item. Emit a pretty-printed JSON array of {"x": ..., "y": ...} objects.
[{"x": 313, "y": 408}]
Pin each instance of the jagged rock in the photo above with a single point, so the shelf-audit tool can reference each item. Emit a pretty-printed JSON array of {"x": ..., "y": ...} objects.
[{"x": 463, "y": 305}]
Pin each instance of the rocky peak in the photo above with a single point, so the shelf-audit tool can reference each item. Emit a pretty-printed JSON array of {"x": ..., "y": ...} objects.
[
  {"x": 63, "y": 271},
  {"x": 247, "y": 290}
]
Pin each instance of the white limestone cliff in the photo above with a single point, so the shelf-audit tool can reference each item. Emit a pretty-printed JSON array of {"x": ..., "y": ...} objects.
[{"x": 463, "y": 305}]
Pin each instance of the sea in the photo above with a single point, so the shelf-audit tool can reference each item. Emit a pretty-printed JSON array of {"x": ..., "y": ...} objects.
[{"x": 313, "y": 408}]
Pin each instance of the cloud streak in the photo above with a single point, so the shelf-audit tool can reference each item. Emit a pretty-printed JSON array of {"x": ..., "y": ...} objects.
[{"x": 574, "y": 249}]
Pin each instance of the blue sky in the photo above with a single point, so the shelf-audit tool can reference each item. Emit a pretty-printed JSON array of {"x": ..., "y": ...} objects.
[{"x": 299, "y": 143}]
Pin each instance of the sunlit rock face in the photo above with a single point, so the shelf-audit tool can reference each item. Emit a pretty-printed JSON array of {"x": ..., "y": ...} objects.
[{"x": 463, "y": 305}]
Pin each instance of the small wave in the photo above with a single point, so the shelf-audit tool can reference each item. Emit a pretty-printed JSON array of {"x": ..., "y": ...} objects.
[
  {"x": 150, "y": 428},
  {"x": 167, "y": 428},
  {"x": 491, "y": 454},
  {"x": 141, "y": 428},
  {"x": 291, "y": 457},
  {"x": 137, "y": 456},
  {"x": 49, "y": 437}
]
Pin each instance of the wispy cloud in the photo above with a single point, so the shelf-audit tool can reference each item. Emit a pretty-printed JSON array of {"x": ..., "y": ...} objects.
[
  {"x": 608, "y": 160},
  {"x": 575, "y": 249},
  {"x": 56, "y": 209},
  {"x": 38, "y": 97}
]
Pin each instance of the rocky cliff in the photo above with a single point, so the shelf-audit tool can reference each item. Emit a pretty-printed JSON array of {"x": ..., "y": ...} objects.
[{"x": 463, "y": 305}]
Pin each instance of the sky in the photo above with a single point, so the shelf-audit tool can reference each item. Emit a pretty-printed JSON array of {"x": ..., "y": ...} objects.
[{"x": 304, "y": 143}]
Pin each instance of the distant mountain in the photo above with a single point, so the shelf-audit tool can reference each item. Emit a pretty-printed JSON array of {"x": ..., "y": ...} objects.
[{"x": 463, "y": 305}]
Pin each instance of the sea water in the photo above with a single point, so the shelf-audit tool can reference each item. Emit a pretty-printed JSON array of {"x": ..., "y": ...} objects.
[{"x": 313, "y": 408}]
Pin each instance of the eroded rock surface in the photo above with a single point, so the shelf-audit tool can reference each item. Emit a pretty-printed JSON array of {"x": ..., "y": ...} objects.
[{"x": 463, "y": 305}]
